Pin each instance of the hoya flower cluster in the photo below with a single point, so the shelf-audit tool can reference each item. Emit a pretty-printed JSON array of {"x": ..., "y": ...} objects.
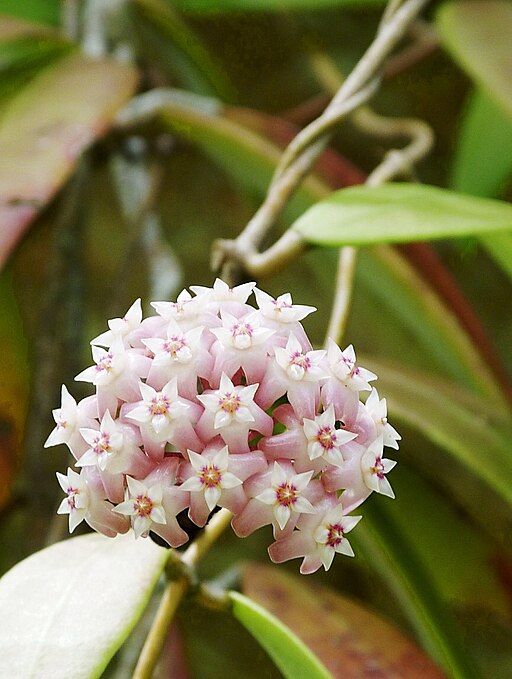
[{"x": 213, "y": 402}]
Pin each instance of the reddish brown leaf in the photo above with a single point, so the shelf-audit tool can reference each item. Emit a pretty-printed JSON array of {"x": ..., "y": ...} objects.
[
  {"x": 352, "y": 642},
  {"x": 45, "y": 129}
]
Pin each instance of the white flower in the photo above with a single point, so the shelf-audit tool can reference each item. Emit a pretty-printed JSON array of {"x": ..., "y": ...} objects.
[
  {"x": 159, "y": 410},
  {"x": 377, "y": 410},
  {"x": 77, "y": 500},
  {"x": 330, "y": 535},
  {"x": 285, "y": 496},
  {"x": 110, "y": 365},
  {"x": 324, "y": 440},
  {"x": 211, "y": 476},
  {"x": 178, "y": 348},
  {"x": 344, "y": 368},
  {"x": 374, "y": 468},
  {"x": 241, "y": 333},
  {"x": 230, "y": 404},
  {"x": 221, "y": 292},
  {"x": 185, "y": 310},
  {"x": 299, "y": 365},
  {"x": 121, "y": 327},
  {"x": 106, "y": 446},
  {"x": 143, "y": 504},
  {"x": 68, "y": 418},
  {"x": 281, "y": 309}
]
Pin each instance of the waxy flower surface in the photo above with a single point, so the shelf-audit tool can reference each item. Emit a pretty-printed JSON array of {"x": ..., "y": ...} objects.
[{"x": 211, "y": 403}]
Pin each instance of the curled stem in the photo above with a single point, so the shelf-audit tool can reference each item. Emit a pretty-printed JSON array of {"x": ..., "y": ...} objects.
[
  {"x": 174, "y": 593},
  {"x": 396, "y": 163},
  {"x": 303, "y": 151}
]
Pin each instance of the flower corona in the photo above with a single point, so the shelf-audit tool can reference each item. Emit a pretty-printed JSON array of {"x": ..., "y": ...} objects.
[{"x": 215, "y": 403}]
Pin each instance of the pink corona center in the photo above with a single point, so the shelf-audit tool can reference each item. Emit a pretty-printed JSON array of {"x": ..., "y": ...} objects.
[
  {"x": 349, "y": 363},
  {"x": 378, "y": 468},
  {"x": 105, "y": 364},
  {"x": 174, "y": 346},
  {"x": 210, "y": 476},
  {"x": 280, "y": 305},
  {"x": 300, "y": 359},
  {"x": 143, "y": 506},
  {"x": 179, "y": 307},
  {"x": 102, "y": 444},
  {"x": 72, "y": 492},
  {"x": 334, "y": 535},
  {"x": 159, "y": 405},
  {"x": 242, "y": 335},
  {"x": 286, "y": 494},
  {"x": 229, "y": 403},
  {"x": 238, "y": 329},
  {"x": 326, "y": 437},
  {"x": 62, "y": 424}
]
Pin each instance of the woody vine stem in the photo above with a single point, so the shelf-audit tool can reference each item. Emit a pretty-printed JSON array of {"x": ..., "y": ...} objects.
[{"x": 236, "y": 257}]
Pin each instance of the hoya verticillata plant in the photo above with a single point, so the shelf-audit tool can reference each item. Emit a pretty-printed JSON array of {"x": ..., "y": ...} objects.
[{"x": 214, "y": 403}]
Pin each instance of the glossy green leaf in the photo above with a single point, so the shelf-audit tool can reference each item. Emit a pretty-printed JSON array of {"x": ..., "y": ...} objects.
[
  {"x": 289, "y": 653},
  {"x": 477, "y": 34},
  {"x": 67, "y": 609},
  {"x": 483, "y": 157},
  {"x": 400, "y": 213},
  {"x": 363, "y": 639},
  {"x": 483, "y": 162},
  {"x": 217, "y": 6},
  {"x": 46, "y": 128}
]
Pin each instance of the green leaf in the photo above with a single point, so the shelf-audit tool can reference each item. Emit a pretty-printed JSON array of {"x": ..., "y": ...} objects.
[
  {"x": 363, "y": 639},
  {"x": 399, "y": 213},
  {"x": 290, "y": 655},
  {"x": 499, "y": 246},
  {"x": 483, "y": 162},
  {"x": 402, "y": 295},
  {"x": 165, "y": 36},
  {"x": 25, "y": 48},
  {"x": 246, "y": 157},
  {"x": 474, "y": 435},
  {"x": 394, "y": 557},
  {"x": 67, "y": 609},
  {"x": 218, "y": 6},
  {"x": 46, "y": 11},
  {"x": 26, "y": 52},
  {"x": 483, "y": 157},
  {"x": 477, "y": 34},
  {"x": 45, "y": 129}
]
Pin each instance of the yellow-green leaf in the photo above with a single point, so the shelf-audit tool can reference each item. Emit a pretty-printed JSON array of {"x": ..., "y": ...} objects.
[{"x": 399, "y": 213}]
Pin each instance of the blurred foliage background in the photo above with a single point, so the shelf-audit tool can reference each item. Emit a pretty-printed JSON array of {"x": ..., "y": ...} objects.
[{"x": 116, "y": 213}]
